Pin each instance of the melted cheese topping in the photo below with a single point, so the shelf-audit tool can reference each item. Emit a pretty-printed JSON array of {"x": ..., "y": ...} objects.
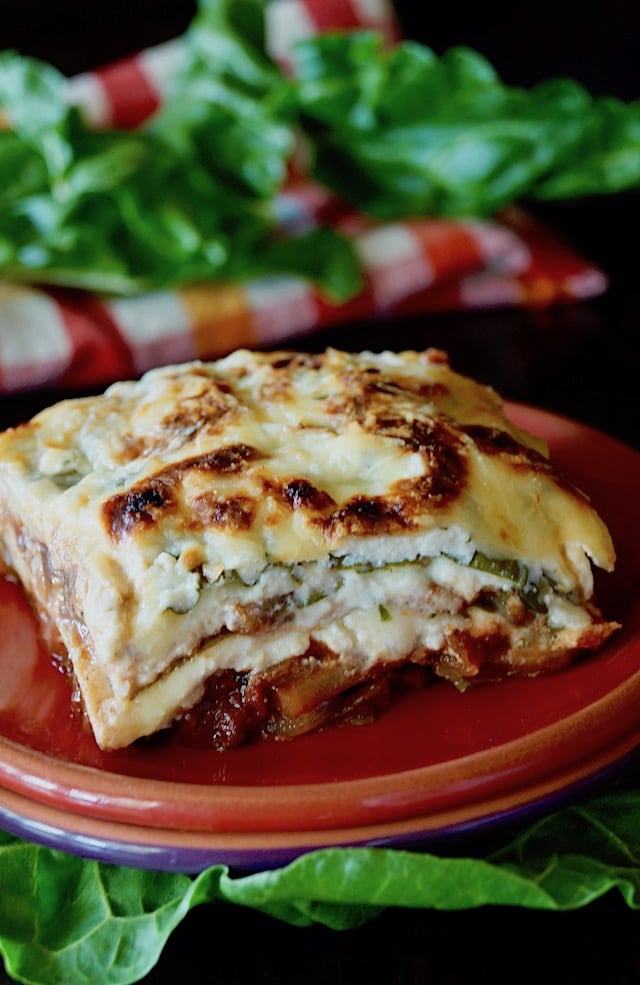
[{"x": 167, "y": 501}]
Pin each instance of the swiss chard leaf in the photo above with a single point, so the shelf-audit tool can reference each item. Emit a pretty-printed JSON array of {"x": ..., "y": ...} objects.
[
  {"x": 226, "y": 102},
  {"x": 63, "y": 918},
  {"x": 403, "y": 132},
  {"x": 32, "y": 94},
  {"x": 186, "y": 198},
  {"x": 191, "y": 194}
]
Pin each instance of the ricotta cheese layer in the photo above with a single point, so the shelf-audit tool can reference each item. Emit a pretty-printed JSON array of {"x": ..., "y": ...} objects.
[{"x": 293, "y": 527}]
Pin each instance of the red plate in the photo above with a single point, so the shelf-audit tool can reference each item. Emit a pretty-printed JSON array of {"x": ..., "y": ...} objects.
[{"x": 435, "y": 763}]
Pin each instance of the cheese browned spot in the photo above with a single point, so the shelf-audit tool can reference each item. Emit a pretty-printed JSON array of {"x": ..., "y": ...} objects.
[
  {"x": 235, "y": 513},
  {"x": 301, "y": 494},
  {"x": 273, "y": 541},
  {"x": 146, "y": 502}
]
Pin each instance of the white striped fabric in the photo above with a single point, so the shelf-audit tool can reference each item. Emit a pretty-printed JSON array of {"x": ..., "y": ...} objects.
[{"x": 34, "y": 344}]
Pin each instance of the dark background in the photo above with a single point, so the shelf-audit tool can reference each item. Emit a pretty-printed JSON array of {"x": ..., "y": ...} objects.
[{"x": 579, "y": 360}]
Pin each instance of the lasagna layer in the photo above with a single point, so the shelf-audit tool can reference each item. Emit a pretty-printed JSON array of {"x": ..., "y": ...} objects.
[{"x": 274, "y": 537}]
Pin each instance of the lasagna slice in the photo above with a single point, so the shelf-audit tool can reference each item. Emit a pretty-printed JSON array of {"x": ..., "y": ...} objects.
[{"x": 267, "y": 542}]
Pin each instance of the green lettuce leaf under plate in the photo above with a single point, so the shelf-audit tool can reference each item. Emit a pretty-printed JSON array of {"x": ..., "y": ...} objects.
[{"x": 68, "y": 919}]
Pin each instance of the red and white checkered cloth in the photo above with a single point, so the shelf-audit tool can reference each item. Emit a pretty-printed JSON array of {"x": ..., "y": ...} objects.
[{"x": 67, "y": 338}]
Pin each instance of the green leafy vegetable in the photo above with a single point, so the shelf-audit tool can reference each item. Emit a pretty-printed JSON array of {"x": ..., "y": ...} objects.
[
  {"x": 188, "y": 197},
  {"x": 514, "y": 571},
  {"x": 385, "y": 615},
  {"x": 191, "y": 195},
  {"x": 402, "y": 132},
  {"x": 66, "y": 919}
]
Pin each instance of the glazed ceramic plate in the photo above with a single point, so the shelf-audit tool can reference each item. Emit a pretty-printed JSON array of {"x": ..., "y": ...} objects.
[{"x": 437, "y": 764}]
